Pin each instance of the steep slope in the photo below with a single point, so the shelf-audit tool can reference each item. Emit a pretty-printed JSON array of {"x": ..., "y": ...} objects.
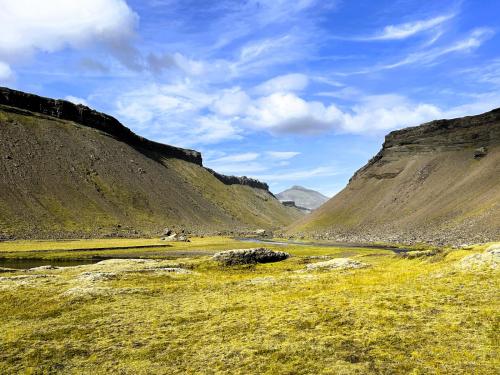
[
  {"x": 438, "y": 182},
  {"x": 68, "y": 171},
  {"x": 305, "y": 198}
]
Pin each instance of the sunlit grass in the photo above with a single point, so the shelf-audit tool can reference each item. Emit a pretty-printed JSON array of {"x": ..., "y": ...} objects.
[{"x": 398, "y": 316}]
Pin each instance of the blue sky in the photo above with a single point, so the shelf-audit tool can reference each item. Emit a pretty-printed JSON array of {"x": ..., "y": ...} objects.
[{"x": 290, "y": 92}]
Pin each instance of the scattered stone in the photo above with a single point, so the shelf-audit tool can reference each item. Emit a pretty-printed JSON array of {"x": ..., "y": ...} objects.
[
  {"x": 490, "y": 259},
  {"x": 249, "y": 256},
  {"x": 418, "y": 253},
  {"x": 174, "y": 237},
  {"x": 480, "y": 152},
  {"x": 171, "y": 270},
  {"x": 338, "y": 263},
  {"x": 262, "y": 233}
]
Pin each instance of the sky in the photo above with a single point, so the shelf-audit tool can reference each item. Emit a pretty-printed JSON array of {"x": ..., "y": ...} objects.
[{"x": 295, "y": 92}]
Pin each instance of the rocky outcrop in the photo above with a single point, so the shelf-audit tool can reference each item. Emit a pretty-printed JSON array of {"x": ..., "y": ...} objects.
[
  {"x": 473, "y": 132},
  {"x": 244, "y": 180},
  {"x": 249, "y": 256},
  {"x": 83, "y": 115},
  {"x": 436, "y": 183},
  {"x": 25, "y": 103}
]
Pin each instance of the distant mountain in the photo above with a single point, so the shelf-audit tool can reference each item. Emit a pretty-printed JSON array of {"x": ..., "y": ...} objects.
[
  {"x": 69, "y": 171},
  {"x": 302, "y": 197},
  {"x": 438, "y": 182}
]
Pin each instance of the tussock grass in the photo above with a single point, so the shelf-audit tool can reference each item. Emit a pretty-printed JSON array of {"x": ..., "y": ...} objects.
[{"x": 398, "y": 316}]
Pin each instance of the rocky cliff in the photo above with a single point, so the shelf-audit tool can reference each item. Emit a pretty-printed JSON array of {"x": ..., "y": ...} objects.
[
  {"x": 83, "y": 115},
  {"x": 68, "y": 171},
  {"x": 437, "y": 182},
  {"x": 86, "y": 116},
  {"x": 244, "y": 180}
]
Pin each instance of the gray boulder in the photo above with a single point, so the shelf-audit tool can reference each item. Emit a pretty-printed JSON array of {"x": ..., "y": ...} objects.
[{"x": 249, "y": 256}]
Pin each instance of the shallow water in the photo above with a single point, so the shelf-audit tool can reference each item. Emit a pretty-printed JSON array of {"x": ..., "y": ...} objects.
[{"x": 396, "y": 250}]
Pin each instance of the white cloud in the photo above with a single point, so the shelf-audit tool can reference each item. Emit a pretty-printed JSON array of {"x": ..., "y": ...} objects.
[
  {"x": 288, "y": 113},
  {"x": 175, "y": 114},
  {"x": 284, "y": 83},
  {"x": 51, "y": 25},
  {"x": 76, "y": 100},
  {"x": 298, "y": 175},
  {"x": 5, "y": 72},
  {"x": 231, "y": 102},
  {"x": 247, "y": 156},
  {"x": 282, "y": 155},
  {"x": 427, "y": 57},
  {"x": 408, "y": 29},
  {"x": 386, "y": 112},
  {"x": 473, "y": 41}
]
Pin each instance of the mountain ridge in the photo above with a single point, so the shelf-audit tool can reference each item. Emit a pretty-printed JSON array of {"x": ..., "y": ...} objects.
[
  {"x": 63, "y": 179},
  {"x": 436, "y": 182},
  {"x": 304, "y": 198}
]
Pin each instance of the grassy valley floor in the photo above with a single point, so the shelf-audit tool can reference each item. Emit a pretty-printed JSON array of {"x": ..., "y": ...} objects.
[{"x": 180, "y": 312}]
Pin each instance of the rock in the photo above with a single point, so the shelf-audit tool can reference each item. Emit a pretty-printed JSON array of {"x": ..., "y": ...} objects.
[
  {"x": 480, "y": 152},
  {"x": 337, "y": 264},
  {"x": 85, "y": 116},
  {"x": 249, "y": 256},
  {"x": 171, "y": 270},
  {"x": 167, "y": 232},
  {"x": 174, "y": 237},
  {"x": 262, "y": 233},
  {"x": 490, "y": 259},
  {"x": 233, "y": 180}
]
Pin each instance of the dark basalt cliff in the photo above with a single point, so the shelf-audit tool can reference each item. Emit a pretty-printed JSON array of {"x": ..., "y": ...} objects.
[
  {"x": 436, "y": 183},
  {"x": 470, "y": 132},
  {"x": 234, "y": 180},
  {"x": 86, "y": 116},
  {"x": 83, "y": 115}
]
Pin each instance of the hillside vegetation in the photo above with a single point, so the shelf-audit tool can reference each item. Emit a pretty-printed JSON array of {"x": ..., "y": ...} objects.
[
  {"x": 59, "y": 178},
  {"x": 438, "y": 182}
]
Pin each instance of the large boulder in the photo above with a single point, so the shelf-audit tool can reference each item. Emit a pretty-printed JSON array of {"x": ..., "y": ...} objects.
[
  {"x": 490, "y": 259},
  {"x": 249, "y": 256}
]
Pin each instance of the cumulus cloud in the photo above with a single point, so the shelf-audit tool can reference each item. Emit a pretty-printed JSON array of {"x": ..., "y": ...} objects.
[
  {"x": 288, "y": 113},
  {"x": 175, "y": 114},
  {"x": 51, "y": 25},
  {"x": 5, "y": 72},
  {"x": 232, "y": 102}
]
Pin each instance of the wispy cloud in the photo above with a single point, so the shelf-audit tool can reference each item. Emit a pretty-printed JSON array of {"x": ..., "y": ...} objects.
[
  {"x": 403, "y": 30},
  {"x": 247, "y": 156},
  {"x": 298, "y": 175},
  {"x": 430, "y": 56},
  {"x": 282, "y": 155},
  {"x": 409, "y": 29}
]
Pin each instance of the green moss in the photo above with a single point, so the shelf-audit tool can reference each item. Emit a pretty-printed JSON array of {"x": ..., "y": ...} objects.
[{"x": 397, "y": 316}]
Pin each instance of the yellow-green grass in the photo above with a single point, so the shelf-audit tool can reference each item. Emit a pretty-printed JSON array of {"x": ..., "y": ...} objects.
[
  {"x": 79, "y": 249},
  {"x": 398, "y": 316}
]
